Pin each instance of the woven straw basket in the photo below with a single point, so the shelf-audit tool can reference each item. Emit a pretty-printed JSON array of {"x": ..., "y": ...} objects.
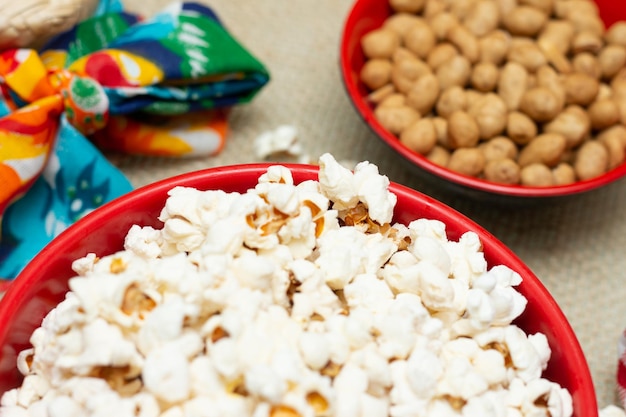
[{"x": 29, "y": 23}]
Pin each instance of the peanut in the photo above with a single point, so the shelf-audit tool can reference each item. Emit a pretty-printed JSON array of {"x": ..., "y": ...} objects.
[
  {"x": 423, "y": 94},
  {"x": 546, "y": 148},
  {"x": 401, "y": 22},
  {"x": 563, "y": 174},
  {"x": 396, "y": 119},
  {"x": 546, "y": 6},
  {"x": 528, "y": 54},
  {"x": 407, "y": 6},
  {"x": 490, "y": 115},
  {"x": 573, "y": 124},
  {"x": 451, "y": 99},
  {"x": 512, "y": 84},
  {"x": 440, "y": 54},
  {"x": 541, "y": 104},
  {"x": 420, "y": 136},
  {"x": 520, "y": 128},
  {"x": 611, "y": 59},
  {"x": 465, "y": 41},
  {"x": 456, "y": 71},
  {"x": 614, "y": 138},
  {"x": 603, "y": 114},
  {"x": 420, "y": 39},
  {"x": 441, "y": 129},
  {"x": 494, "y": 47},
  {"x": 467, "y": 161},
  {"x": 405, "y": 71},
  {"x": 482, "y": 18},
  {"x": 580, "y": 88},
  {"x": 485, "y": 76},
  {"x": 380, "y": 43},
  {"x": 504, "y": 171},
  {"x": 498, "y": 148},
  {"x": 439, "y": 155},
  {"x": 463, "y": 131},
  {"x": 592, "y": 160},
  {"x": 441, "y": 23},
  {"x": 616, "y": 34},
  {"x": 587, "y": 63},
  {"x": 376, "y": 73},
  {"x": 524, "y": 21},
  {"x": 587, "y": 41},
  {"x": 536, "y": 175}
]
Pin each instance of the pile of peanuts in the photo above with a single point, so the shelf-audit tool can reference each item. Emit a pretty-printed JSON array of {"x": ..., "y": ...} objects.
[{"x": 529, "y": 92}]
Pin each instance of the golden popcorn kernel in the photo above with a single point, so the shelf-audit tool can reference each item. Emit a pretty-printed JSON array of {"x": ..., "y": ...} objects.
[
  {"x": 316, "y": 215},
  {"x": 135, "y": 301},
  {"x": 455, "y": 402},
  {"x": 319, "y": 226},
  {"x": 218, "y": 333},
  {"x": 542, "y": 401},
  {"x": 241, "y": 390},
  {"x": 317, "y": 317},
  {"x": 29, "y": 360},
  {"x": 283, "y": 411},
  {"x": 341, "y": 296},
  {"x": 503, "y": 350},
  {"x": 374, "y": 227},
  {"x": 117, "y": 266},
  {"x": 293, "y": 287},
  {"x": 236, "y": 386},
  {"x": 250, "y": 220},
  {"x": 121, "y": 379},
  {"x": 355, "y": 215},
  {"x": 273, "y": 225},
  {"x": 317, "y": 402},
  {"x": 331, "y": 369},
  {"x": 315, "y": 210}
]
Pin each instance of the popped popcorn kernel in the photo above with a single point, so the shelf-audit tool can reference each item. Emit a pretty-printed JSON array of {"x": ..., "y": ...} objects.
[
  {"x": 288, "y": 300},
  {"x": 283, "y": 411},
  {"x": 117, "y": 266},
  {"x": 317, "y": 402},
  {"x": 136, "y": 301}
]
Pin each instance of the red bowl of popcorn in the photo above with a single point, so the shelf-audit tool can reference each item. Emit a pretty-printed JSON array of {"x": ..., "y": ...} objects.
[
  {"x": 244, "y": 280},
  {"x": 501, "y": 101}
]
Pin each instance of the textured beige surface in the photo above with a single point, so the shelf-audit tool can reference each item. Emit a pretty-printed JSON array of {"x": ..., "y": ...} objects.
[{"x": 577, "y": 248}]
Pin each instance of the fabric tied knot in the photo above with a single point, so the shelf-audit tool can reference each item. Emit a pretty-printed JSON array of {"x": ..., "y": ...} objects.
[
  {"x": 85, "y": 102},
  {"x": 114, "y": 82}
]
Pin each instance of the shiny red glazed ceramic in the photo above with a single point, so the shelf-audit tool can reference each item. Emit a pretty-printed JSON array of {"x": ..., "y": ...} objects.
[
  {"x": 43, "y": 282},
  {"x": 367, "y": 15}
]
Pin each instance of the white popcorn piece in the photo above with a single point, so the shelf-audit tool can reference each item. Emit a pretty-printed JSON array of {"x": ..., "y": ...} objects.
[
  {"x": 612, "y": 411},
  {"x": 337, "y": 182},
  {"x": 288, "y": 300},
  {"x": 143, "y": 241},
  {"x": 166, "y": 373},
  {"x": 85, "y": 264},
  {"x": 283, "y": 139}
]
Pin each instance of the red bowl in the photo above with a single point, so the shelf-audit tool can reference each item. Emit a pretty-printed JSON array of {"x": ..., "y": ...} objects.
[
  {"x": 367, "y": 15},
  {"x": 44, "y": 281}
]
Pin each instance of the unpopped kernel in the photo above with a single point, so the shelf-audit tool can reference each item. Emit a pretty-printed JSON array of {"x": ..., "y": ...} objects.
[{"x": 288, "y": 300}]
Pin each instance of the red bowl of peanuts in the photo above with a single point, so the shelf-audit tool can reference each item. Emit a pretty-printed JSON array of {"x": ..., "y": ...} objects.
[
  {"x": 520, "y": 99},
  {"x": 100, "y": 347}
]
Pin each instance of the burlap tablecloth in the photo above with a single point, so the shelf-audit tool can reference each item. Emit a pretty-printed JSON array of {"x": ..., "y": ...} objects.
[{"x": 575, "y": 247}]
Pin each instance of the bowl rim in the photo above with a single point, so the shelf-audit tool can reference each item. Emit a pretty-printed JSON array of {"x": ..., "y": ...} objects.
[
  {"x": 247, "y": 175},
  {"x": 366, "y": 113}
]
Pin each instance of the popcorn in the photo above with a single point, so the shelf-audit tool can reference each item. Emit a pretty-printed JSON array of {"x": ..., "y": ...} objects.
[
  {"x": 282, "y": 140},
  {"x": 288, "y": 300}
]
